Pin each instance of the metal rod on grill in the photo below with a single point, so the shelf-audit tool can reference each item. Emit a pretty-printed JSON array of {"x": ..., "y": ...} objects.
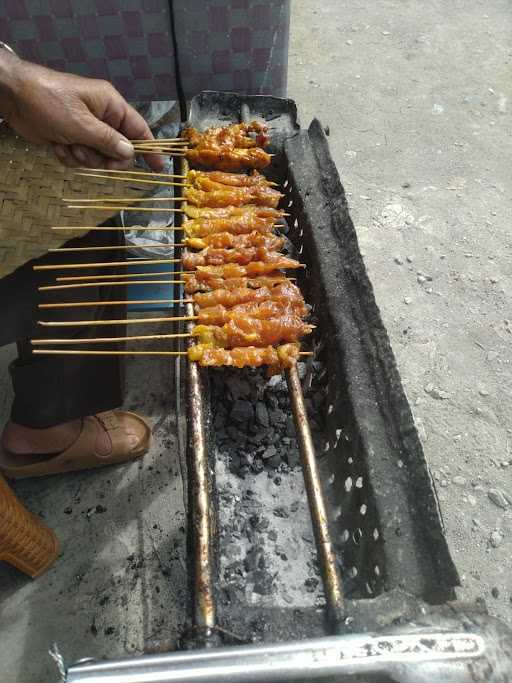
[
  {"x": 326, "y": 555},
  {"x": 200, "y": 485},
  {"x": 200, "y": 488}
]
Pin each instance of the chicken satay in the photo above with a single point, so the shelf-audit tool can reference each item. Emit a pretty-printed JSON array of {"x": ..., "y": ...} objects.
[
  {"x": 217, "y": 257},
  {"x": 233, "y": 196},
  {"x": 262, "y": 310},
  {"x": 232, "y": 270},
  {"x": 229, "y": 298},
  {"x": 229, "y": 159},
  {"x": 207, "y": 180},
  {"x": 230, "y": 148},
  {"x": 245, "y": 331},
  {"x": 284, "y": 356},
  {"x": 281, "y": 291},
  {"x": 243, "y": 257},
  {"x": 209, "y": 284},
  {"x": 225, "y": 240},
  {"x": 203, "y": 227},
  {"x": 232, "y": 212},
  {"x": 233, "y": 136}
]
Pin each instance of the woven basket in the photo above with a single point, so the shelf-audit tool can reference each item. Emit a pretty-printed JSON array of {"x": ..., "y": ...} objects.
[
  {"x": 25, "y": 542},
  {"x": 32, "y": 185}
]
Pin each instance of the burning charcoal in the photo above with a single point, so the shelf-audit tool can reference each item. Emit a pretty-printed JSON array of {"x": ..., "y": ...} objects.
[
  {"x": 235, "y": 464},
  {"x": 274, "y": 462},
  {"x": 242, "y": 412},
  {"x": 293, "y": 457},
  {"x": 273, "y": 401},
  {"x": 238, "y": 387},
  {"x": 311, "y": 584},
  {"x": 252, "y": 535},
  {"x": 219, "y": 421},
  {"x": 233, "y": 572},
  {"x": 302, "y": 367},
  {"x": 232, "y": 550},
  {"x": 279, "y": 550},
  {"x": 255, "y": 559},
  {"x": 233, "y": 594},
  {"x": 258, "y": 438},
  {"x": 270, "y": 452},
  {"x": 257, "y": 466},
  {"x": 281, "y": 512},
  {"x": 277, "y": 417},
  {"x": 290, "y": 426},
  {"x": 318, "y": 399},
  {"x": 276, "y": 381},
  {"x": 263, "y": 582},
  {"x": 262, "y": 414},
  {"x": 237, "y": 436},
  {"x": 259, "y": 522}
]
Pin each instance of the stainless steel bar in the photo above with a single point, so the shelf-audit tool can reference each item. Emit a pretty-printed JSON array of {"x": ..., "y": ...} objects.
[
  {"x": 327, "y": 557},
  {"x": 435, "y": 655}
]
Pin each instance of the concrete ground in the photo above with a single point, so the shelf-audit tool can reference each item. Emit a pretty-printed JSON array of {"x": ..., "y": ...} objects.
[
  {"x": 417, "y": 99},
  {"x": 416, "y": 96}
]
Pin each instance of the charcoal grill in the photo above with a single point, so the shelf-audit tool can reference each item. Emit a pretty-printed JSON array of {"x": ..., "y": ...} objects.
[{"x": 389, "y": 606}]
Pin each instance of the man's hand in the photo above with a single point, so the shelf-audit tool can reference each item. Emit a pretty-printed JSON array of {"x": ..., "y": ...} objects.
[{"x": 88, "y": 122}]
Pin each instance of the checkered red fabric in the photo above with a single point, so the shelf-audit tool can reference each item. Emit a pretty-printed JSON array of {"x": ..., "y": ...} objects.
[{"x": 234, "y": 45}]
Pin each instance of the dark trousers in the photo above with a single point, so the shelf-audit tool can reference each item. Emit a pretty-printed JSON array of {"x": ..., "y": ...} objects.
[{"x": 49, "y": 390}]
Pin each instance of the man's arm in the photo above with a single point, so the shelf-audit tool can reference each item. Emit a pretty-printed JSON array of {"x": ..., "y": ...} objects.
[{"x": 87, "y": 120}]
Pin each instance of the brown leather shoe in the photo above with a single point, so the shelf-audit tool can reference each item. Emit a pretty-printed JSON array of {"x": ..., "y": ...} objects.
[{"x": 130, "y": 436}]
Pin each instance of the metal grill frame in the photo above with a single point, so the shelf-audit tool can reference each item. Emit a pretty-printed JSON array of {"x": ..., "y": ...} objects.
[{"x": 371, "y": 439}]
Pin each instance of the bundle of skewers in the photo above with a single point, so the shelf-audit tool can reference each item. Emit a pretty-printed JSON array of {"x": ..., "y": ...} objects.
[{"x": 246, "y": 311}]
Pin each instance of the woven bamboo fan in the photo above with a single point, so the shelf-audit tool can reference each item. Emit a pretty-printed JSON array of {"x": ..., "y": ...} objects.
[{"x": 32, "y": 185}]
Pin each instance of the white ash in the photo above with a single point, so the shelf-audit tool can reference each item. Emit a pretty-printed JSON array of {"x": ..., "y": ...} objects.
[{"x": 267, "y": 552}]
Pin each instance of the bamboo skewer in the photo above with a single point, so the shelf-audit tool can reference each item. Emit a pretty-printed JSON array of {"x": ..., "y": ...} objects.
[
  {"x": 107, "y": 264},
  {"x": 109, "y": 340},
  {"x": 80, "y": 352},
  {"x": 76, "y": 352},
  {"x": 165, "y": 148},
  {"x": 159, "y": 152},
  {"x": 125, "y": 199},
  {"x": 163, "y": 139},
  {"x": 86, "y": 278},
  {"x": 48, "y": 288},
  {"x": 147, "y": 174},
  {"x": 163, "y": 183},
  {"x": 152, "y": 144},
  {"x": 121, "y": 208},
  {"x": 100, "y": 228},
  {"x": 85, "y": 304},
  {"x": 122, "y": 321},
  {"x": 166, "y": 151},
  {"x": 123, "y": 246},
  {"x": 148, "y": 182}
]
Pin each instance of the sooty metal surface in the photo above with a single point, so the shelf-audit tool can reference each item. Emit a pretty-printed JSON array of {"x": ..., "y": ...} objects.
[{"x": 383, "y": 512}]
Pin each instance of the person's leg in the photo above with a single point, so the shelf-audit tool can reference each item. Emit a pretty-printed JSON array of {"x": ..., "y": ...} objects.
[{"x": 53, "y": 393}]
